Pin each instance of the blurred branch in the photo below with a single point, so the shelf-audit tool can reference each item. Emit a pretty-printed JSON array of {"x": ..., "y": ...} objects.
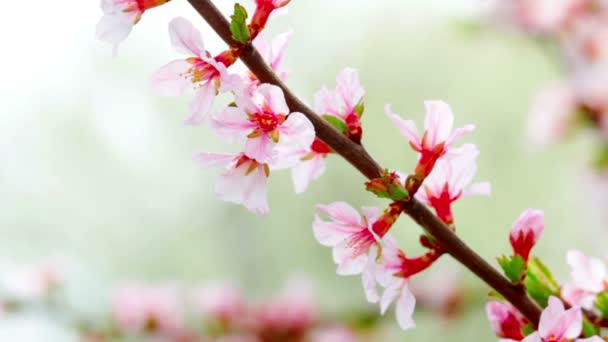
[{"x": 362, "y": 161}]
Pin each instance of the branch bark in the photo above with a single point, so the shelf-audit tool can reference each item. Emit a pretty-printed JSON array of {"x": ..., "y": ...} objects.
[{"x": 362, "y": 161}]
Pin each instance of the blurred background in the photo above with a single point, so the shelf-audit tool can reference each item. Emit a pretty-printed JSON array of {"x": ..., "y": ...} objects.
[{"x": 96, "y": 169}]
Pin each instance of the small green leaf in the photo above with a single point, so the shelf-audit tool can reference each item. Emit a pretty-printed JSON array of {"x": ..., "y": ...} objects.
[
  {"x": 588, "y": 328},
  {"x": 360, "y": 108},
  {"x": 602, "y": 303},
  {"x": 540, "y": 283},
  {"x": 528, "y": 329},
  {"x": 336, "y": 122},
  {"x": 388, "y": 185},
  {"x": 514, "y": 267},
  {"x": 238, "y": 25}
]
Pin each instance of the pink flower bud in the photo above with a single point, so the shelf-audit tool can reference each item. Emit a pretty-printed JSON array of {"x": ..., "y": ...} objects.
[
  {"x": 526, "y": 231},
  {"x": 506, "y": 321}
]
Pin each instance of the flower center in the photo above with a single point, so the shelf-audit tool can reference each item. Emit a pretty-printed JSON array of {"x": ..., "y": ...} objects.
[
  {"x": 199, "y": 71},
  {"x": 267, "y": 121}
]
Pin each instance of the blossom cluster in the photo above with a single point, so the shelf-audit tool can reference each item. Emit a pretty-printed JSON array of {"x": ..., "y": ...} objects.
[
  {"x": 271, "y": 137},
  {"x": 216, "y": 311},
  {"x": 584, "y": 295},
  {"x": 576, "y": 31}
]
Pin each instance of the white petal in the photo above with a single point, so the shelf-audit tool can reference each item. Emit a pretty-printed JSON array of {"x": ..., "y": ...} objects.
[
  {"x": 306, "y": 171},
  {"x": 208, "y": 159},
  {"x": 438, "y": 121},
  {"x": 232, "y": 125},
  {"x": 273, "y": 98},
  {"x": 406, "y": 127},
  {"x": 405, "y": 308}
]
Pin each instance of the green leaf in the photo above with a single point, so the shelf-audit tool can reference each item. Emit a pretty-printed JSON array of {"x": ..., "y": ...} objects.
[
  {"x": 602, "y": 303},
  {"x": 336, "y": 122},
  {"x": 238, "y": 25},
  {"x": 601, "y": 159},
  {"x": 588, "y": 328},
  {"x": 388, "y": 185},
  {"x": 359, "y": 108},
  {"x": 540, "y": 283},
  {"x": 528, "y": 329},
  {"x": 514, "y": 267}
]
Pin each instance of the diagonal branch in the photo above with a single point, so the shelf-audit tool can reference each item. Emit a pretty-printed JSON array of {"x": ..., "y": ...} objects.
[{"x": 362, "y": 161}]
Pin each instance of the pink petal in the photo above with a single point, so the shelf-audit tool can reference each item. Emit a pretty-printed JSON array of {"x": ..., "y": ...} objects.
[
  {"x": 405, "y": 308},
  {"x": 576, "y": 296},
  {"x": 588, "y": 273},
  {"x": 407, "y": 127},
  {"x": 371, "y": 214},
  {"x": 349, "y": 88},
  {"x": 169, "y": 80},
  {"x": 368, "y": 277},
  {"x": 391, "y": 292},
  {"x": 207, "y": 159},
  {"x": 260, "y": 149},
  {"x": 342, "y": 213},
  {"x": 250, "y": 190},
  {"x": 327, "y": 103},
  {"x": 279, "y": 45},
  {"x": 114, "y": 28},
  {"x": 185, "y": 38},
  {"x": 306, "y": 171},
  {"x": 530, "y": 220},
  {"x": 232, "y": 125},
  {"x": 296, "y": 134},
  {"x": 347, "y": 264},
  {"x": 535, "y": 337},
  {"x": 438, "y": 121},
  {"x": 201, "y": 103},
  {"x": 331, "y": 234},
  {"x": 273, "y": 98},
  {"x": 458, "y": 132},
  {"x": 478, "y": 189}
]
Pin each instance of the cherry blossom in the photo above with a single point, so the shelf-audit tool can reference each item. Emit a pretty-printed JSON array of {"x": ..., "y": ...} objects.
[
  {"x": 119, "y": 17},
  {"x": 589, "y": 278},
  {"x": 543, "y": 16},
  {"x": 311, "y": 166},
  {"x": 33, "y": 281},
  {"x": 140, "y": 308},
  {"x": 244, "y": 180},
  {"x": 526, "y": 230},
  {"x": 558, "y": 324},
  {"x": 335, "y": 334},
  {"x": 450, "y": 180},
  {"x": 201, "y": 72},
  {"x": 552, "y": 114},
  {"x": 506, "y": 321},
  {"x": 220, "y": 301},
  {"x": 342, "y": 101},
  {"x": 437, "y": 138},
  {"x": 273, "y": 53},
  {"x": 263, "y": 122},
  {"x": 390, "y": 275},
  {"x": 348, "y": 233}
]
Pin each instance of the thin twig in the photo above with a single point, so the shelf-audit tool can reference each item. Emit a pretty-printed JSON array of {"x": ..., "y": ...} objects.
[{"x": 362, "y": 161}]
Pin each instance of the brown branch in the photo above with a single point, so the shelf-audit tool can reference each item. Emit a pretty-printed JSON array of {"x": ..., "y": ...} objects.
[{"x": 362, "y": 161}]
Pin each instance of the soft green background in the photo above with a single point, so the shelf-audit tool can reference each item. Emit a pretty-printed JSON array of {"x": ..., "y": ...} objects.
[{"x": 95, "y": 167}]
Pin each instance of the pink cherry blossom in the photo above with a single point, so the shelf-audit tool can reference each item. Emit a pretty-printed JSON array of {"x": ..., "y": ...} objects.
[
  {"x": 220, "y": 301},
  {"x": 273, "y": 53},
  {"x": 311, "y": 166},
  {"x": 341, "y": 101},
  {"x": 263, "y": 122},
  {"x": 119, "y": 17},
  {"x": 589, "y": 278},
  {"x": 526, "y": 230},
  {"x": 201, "y": 72},
  {"x": 558, "y": 324},
  {"x": 290, "y": 314},
  {"x": 437, "y": 138},
  {"x": 450, "y": 180},
  {"x": 506, "y": 321},
  {"x": 348, "y": 233},
  {"x": 552, "y": 115},
  {"x": 396, "y": 287},
  {"x": 141, "y": 308},
  {"x": 244, "y": 180},
  {"x": 543, "y": 16}
]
